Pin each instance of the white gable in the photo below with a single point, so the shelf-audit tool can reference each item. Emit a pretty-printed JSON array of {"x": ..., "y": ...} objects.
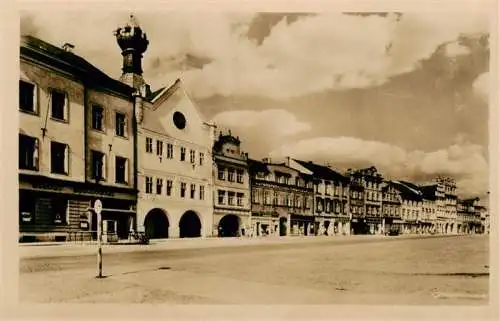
[{"x": 159, "y": 117}]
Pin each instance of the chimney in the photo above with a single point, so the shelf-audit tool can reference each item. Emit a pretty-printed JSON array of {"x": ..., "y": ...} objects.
[
  {"x": 68, "y": 47},
  {"x": 288, "y": 161}
]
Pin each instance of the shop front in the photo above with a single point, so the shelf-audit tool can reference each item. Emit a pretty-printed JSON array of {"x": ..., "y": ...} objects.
[
  {"x": 57, "y": 210},
  {"x": 302, "y": 225},
  {"x": 265, "y": 224}
]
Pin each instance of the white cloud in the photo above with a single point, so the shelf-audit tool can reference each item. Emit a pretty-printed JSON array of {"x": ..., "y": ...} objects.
[
  {"x": 315, "y": 53},
  {"x": 464, "y": 161},
  {"x": 273, "y": 124},
  {"x": 482, "y": 86}
]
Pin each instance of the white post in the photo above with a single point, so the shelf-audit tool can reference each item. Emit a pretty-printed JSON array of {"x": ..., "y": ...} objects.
[{"x": 98, "y": 209}]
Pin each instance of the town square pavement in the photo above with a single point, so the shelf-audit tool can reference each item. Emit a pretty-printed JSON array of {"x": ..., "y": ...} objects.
[{"x": 434, "y": 270}]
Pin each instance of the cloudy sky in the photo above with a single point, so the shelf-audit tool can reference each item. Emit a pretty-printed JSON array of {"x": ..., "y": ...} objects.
[{"x": 407, "y": 92}]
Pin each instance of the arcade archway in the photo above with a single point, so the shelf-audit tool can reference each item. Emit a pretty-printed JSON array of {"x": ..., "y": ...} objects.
[
  {"x": 156, "y": 224},
  {"x": 229, "y": 226},
  {"x": 190, "y": 225}
]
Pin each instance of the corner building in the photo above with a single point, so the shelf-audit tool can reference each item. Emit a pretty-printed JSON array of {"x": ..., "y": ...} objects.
[{"x": 76, "y": 145}]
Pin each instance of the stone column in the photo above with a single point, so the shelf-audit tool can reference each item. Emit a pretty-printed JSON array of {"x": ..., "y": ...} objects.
[
  {"x": 288, "y": 224},
  {"x": 173, "y": 231}
]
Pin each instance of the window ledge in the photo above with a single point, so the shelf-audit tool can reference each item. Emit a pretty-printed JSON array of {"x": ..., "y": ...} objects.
[
  {"x": 64, "y": 121},
  {"x": 29, "y": 112}
]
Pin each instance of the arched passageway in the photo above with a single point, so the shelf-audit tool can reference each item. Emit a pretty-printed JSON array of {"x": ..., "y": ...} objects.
[
  {"x": 229, "y": 226},
  {"x": 190, "y": 225},
  {"x": 156, "y": 224}
]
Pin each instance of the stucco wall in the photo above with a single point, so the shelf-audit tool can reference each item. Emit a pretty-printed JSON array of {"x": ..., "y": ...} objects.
[{"x": 70, "y": 132}]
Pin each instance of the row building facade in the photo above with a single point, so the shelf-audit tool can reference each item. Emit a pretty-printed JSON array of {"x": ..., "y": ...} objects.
[{"x": 153, "y": 160}]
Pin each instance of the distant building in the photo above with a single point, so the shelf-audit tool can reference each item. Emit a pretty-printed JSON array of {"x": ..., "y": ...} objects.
[
  {"x": 391, "y": 208},
  {"x": 174, "y": 151},
  {"x": 367, "y": 182},
  {"x": 331, "y": 196},
  {"x": 76, "y": 145},
  {"x": 282, "y": 200},
  {"x": 428, "y": 218},
  {"x": 359, "y": 224},
  {"x": 231, "y": 188},
  {"x": 469, "y": 220},
  {"x": 411, "y": 206}
]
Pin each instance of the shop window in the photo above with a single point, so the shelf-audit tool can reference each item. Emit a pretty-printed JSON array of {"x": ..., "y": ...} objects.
[{"x": 60, "y": 211}]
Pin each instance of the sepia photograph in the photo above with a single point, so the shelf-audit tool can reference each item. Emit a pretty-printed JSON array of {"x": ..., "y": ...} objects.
[{"x": 227, "y": 157}]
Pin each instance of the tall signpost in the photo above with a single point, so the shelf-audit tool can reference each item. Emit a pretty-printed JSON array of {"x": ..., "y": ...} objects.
[{"x": 98, "y": 210}]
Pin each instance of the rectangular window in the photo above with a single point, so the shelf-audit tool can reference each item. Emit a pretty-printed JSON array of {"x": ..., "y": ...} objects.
[
  {"x": 121, "y": 170},
  {"x": 220, "y": 196},
  {"x": 121, "y": 125},
  {"x": 169, "y": 187},
  {"x": 193, "y": 190},
  {"x": 230, "y": 198},
  {"x": 98, "y": 165},
  {"x": 239, "y": 176},
  {"x": 27, "y": 96},
  {"x": 202, "y": 158},
  {"x": 97, "y": 117},
  {"x": 170, "y": 151},
  {"x": 28, "y": 152},
  {"x": 192, "y": 156},
  {"x": 149, "y": 185},
  {"x": 159, "y": 148},
  {"x": 159, "y": 186},
  {"x": 59, "y": 158},
  {"x": 230, "y": 175},
  {"x": 59, "y": 210},
  {"x": 183, "y": 154},
  {"x": 239, "y": 199},
  {"x": 221, "y": 173},
  {"x": 59, "y": 104},
  {"x": 202, "y": 192},
  {"x": 183, "y": 190},
  {"x": 267, "y": 198},
  {"x": 149, "y": 145},
  {"x": 255, "y": 196}
]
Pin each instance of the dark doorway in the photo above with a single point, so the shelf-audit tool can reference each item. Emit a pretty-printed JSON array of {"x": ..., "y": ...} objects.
[
  {"x": 190, "y": 225},
  {"x": 229, "y": 226},
  {"x": 156, "y": 224},
  {"x": 283, "y": 226},
  {"x": 326, "y": 226}
]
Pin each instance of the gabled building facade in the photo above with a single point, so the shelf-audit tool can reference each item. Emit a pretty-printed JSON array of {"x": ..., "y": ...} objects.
[
  {"x": 282, "y": 200},
  {"x": 411, "y": 206},
  {"x": 391, "y": 208},
  {"x": 174, "y": 151},
  {"x": 66, "y": 161},
  {"x": 371, "y": 182},
  {"x": 331, "y": 195},
  {"x": 232, "y": 212}
]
